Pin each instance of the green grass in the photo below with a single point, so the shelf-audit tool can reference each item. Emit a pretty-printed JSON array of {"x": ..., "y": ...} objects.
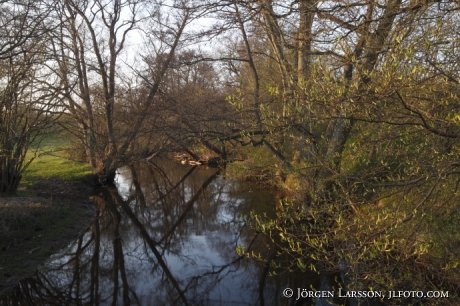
[
  {"x": 56, "y": 167},
  {"x": 31, "y": 227},
  {"x": 51, "y": 162}
]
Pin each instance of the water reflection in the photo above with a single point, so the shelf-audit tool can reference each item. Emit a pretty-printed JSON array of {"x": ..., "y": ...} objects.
[{"x": 166, "y": 235}]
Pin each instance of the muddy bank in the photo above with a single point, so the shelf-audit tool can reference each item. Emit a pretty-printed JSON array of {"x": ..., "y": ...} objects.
[{"x": 32, "y": 229}]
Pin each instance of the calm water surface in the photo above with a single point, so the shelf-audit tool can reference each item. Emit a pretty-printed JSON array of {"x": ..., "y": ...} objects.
[{"x": 167, "y": 235}]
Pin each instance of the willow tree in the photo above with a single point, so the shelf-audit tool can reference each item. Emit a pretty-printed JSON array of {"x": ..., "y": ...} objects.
[{"x": 359, "y": 100}]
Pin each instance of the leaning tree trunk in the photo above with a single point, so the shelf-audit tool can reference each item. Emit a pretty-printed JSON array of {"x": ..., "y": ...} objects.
[{"x": 369, "y": 46}]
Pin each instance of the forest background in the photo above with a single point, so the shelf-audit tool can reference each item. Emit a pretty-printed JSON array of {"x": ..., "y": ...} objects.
[{"x": 350, "y": 107}]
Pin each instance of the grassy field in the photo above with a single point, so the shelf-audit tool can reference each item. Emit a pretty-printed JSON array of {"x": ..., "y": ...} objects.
[
  {"x": 53, "y": 161},
  {"x": 50, "y": 209}
]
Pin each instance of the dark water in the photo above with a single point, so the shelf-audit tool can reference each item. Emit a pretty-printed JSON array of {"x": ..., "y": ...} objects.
[{"x": 167, "y": 235}]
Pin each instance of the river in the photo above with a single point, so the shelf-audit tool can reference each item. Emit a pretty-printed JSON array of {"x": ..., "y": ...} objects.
[{"x": 167, "y": 234}]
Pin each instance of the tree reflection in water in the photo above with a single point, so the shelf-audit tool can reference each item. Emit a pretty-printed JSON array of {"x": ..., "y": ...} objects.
[{"x": 166, "y": 235}]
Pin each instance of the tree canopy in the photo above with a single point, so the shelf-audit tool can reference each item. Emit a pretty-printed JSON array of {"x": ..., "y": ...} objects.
[{"x": 355, "y": 105}]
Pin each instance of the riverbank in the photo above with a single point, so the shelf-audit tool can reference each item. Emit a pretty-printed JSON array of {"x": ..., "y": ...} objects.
[{"x": 33, "y": 228}]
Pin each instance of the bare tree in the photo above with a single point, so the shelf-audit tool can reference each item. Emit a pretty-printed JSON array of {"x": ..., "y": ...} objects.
[
  {"x": 27, "y": 102},
  {"x": 89, "y": 53}
]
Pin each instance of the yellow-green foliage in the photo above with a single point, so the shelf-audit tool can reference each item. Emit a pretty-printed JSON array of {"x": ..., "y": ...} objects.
[
  {"x": 292, "y": 182},
  {"x": 418, "y": 237},
  {"x": 258, "y": 165},
  {"x": 383, "y": 151}
]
